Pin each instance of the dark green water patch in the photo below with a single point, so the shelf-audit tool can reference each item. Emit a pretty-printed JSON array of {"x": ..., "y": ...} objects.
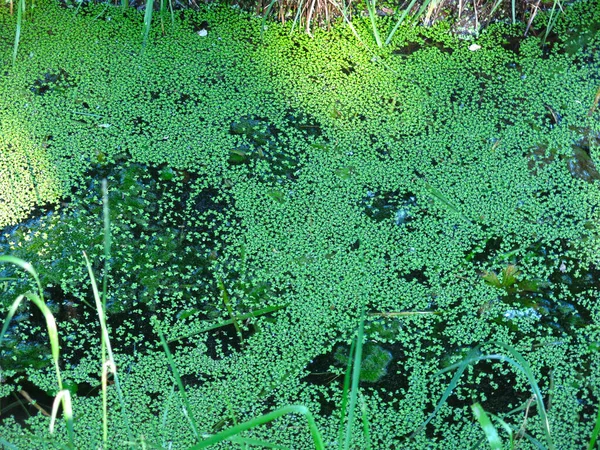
[
  {"x": 53, "y": 81},
  {"x": 265, "y": 142},
  {"x": 400, "y": 207}
]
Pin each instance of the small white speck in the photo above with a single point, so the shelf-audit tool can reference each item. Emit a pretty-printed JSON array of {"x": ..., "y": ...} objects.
[
  {"x": 202, "y": 33},
  {"x": 474, "y": 47}
]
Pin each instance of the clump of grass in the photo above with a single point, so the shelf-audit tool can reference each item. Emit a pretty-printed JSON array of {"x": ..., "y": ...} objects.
[{"x": 63, "y": 396}]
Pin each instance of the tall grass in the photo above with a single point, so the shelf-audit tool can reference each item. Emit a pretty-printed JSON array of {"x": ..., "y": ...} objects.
[
  {"x": 323, "y": 12},
  {"x": 63, "y": 396}
]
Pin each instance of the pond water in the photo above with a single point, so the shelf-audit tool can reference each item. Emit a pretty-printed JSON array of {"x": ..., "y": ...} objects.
[{"x": 265, "y": 191}]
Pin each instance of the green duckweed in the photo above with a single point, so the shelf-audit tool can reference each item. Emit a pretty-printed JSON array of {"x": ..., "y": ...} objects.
[{"x": 311, "y": 178}]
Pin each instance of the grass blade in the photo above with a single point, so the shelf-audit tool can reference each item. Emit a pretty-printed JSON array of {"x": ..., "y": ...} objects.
[
  {"x": 346, "y": 388},
  {"x": 187, "y": 411},
  {"x": 11, "y": 312},
  {"x": 355, "y": 381},
  {"x": 552, "y": 19},
  {"x": 518, "y": 362},
  {"x": 595, "y": 432},
  {"x": 257, "y": 443},
  {"x": 373, "y": 17},
  {"x": 110, "y": 363},
  {"x": 264, "y": 19},
  {"x": 64, "y": 397},
  {"x": 513, "y": 10},
  {"x": 488, "y": 428},
  {"x": 472, "y": 356},
  {"x": 365, "y": 420},
  {"x": 227, "y": 303},
  {"x": 526, "y": 369},
  {"x": 437, "y": 195},
  {"x": 400, "y": 20},
  {"x": 291, "y": 409},
  {"x": 267, "y": 310},
  {"x": 38, "y": 301},
  {"x": 147, "y": 22},
  {"x": 20, "y": 12}
]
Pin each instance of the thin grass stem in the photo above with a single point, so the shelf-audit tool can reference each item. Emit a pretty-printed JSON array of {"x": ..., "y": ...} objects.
[
  {"x": 400, "y": 20},
  {"x": 187, "y": 411},
  {"x": 355, "y": 381},
  {"x": 38, "y": 300},
  {"x": 110, "y": 361},
  {"x": 346, "y": 388}
]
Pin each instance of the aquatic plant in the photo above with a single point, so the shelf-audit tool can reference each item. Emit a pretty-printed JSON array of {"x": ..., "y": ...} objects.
[{"x": 311, "y": 177}]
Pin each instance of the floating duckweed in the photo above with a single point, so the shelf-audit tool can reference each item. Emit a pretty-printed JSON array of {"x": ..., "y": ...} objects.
[{"x": 263, "y": 192}]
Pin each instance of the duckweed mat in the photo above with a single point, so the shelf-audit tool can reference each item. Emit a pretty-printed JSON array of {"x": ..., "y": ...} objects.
[{"x": 264, "y": 190}]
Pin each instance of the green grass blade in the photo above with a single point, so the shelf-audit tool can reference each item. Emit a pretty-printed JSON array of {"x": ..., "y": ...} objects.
[
  {"x": 38, "y": 301},
  {"x": 346, "y": 388},
  {"x": 297, "y": 16},
  {"x": 11, "y": 312},
  {"x": 437, "y": 195},
  {"x": 264, "y": 19},
  {"x": 26, "y": 267},
  {"x": 507, "y": 428},
  {"x": 495, "y": 7},
  {"x": 422, "y": 9},
  {"x": 512, "y": 429},
  {"x": 552, "y": 19},
  {"x": 20, "y": 12},
  {"x": 355, "y": 381},
  {"x": 488, "y": 428},
  {"x": 513, "y": 10},
  {"x": 187, "y": 407},
  {"x": 524, "y": 367},
  {"x": 7, "y": 445},
  {"x": 110, "y": 363},
  {"x": 365, "y": 420},
  {"x": 595, "y": 432},
  {"x": 227, "y": 303},
  {"x": 256, "y": 443},
  {"x": 147, "y": 22},
  {"x": 399, "y": 22},
  {"x": 518, "y": 362},
  {"x": 472, "y": 356},
  {"x": 107, "y": 241},
  {"x": 52, "y": 331},
  {"x": 291, "y": 409},
  {"x": 64, "y": 397},
  {"x": 343, "y": 10},
  {"x": 106, "y": 365},
  {"x": 172, "y": 12},
  {"x": 373, "y": 17}
]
